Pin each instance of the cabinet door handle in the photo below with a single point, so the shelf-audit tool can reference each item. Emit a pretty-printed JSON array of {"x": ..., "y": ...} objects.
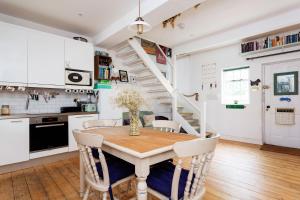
[
  {"x": 16, "y": 121},
  {"x": 83, "y": 117}
]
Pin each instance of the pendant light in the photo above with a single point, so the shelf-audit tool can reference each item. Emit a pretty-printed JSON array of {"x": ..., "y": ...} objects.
[{"x": 139, "y": 25}]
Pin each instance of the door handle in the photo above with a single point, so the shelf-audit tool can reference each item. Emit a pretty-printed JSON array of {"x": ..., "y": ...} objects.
[
  {"x": 268, "y": 107},
  {"x": 16, "y": 121},
  {"x": 49, "y": 125}
]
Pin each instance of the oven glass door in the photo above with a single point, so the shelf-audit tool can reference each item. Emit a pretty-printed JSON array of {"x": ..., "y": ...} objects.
[{"x": 48, "y": 136}]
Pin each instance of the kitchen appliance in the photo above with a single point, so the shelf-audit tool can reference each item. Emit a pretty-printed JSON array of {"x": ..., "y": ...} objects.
[
  {"x": 48, "y": 132},
  {"x": 78, "y": 77},
  {"x": 80, "y": 39},
  {"x": 89, "y": 107},
  {"x": 70, "y": 109},
  {"x": 5, "y": 110}
]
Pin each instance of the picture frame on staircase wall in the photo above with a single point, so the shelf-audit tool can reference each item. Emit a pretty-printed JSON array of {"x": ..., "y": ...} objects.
[
  {"x": 149, "y": 47},
  {"x": 160, "y": 58},
  {"x": 123, "y": 76}
]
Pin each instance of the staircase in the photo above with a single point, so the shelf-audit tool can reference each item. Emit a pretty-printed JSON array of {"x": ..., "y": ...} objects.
[{"x": 159, "y": 87}]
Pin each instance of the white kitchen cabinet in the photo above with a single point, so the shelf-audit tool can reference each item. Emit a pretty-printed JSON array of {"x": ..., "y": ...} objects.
[
  {"x": 14, "y": 143},
  {"x": 13, "y": 55},
  {"x": 76, "y": 122},
  {"x": 45, "y": 60},
  {"x": 79, "y": 55}
]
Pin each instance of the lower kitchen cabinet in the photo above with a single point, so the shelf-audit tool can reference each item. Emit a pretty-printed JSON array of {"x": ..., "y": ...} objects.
[
  {"x": 76, "y": 122},
  {"x": 14, "y": 142}
]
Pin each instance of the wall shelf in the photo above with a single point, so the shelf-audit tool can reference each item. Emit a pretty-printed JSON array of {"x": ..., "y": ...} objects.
[
  {"x": 287, "y": 48},
  {"x": 270, "y": 44}
]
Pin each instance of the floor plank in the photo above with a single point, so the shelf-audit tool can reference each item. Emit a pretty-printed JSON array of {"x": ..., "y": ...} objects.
[
  {"x": 52, "y": 190},
  {"x": 6, "y": 187},
  {"x": 66, "y": 188},
  {"x": 21, "y": 191},
  {"x": 37, "y": 191},
  {"x": 238, "y": 172}
]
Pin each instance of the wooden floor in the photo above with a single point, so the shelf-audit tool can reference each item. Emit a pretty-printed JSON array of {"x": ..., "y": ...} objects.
[{"x": 238, "y": 171}]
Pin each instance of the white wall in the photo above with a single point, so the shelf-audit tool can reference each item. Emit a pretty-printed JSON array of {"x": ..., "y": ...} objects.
[{"x": 241, "y": 125}]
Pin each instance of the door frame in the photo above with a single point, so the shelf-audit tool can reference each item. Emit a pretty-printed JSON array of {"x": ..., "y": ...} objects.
[{"x": 263, "y": 82}]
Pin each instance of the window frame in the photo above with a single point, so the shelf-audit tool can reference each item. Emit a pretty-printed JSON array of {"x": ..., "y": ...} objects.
[{"x": 223, "y": 102}]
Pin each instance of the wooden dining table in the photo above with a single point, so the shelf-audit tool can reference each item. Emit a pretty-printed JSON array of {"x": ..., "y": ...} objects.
[{"x": 150, "y": 147}]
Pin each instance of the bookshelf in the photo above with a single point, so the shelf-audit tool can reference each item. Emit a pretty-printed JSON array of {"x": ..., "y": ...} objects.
[
  {"x": 271, "y": 44},
  {"x": 102, "y": 68}
]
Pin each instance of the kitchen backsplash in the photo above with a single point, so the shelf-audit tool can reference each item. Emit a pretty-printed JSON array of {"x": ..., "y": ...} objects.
[{"x": 17, "y": 101}]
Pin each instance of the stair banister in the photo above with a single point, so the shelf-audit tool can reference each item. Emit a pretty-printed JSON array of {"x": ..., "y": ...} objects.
[
  {"x": 171, "y": 89},
  {"x": 147, "y": 61}
]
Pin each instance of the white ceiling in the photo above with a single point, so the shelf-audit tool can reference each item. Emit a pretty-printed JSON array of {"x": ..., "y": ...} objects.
[
  {"x": 63, "y": 14},
  {"x": 214, "y": 16},
  {"x": 100, "y": 16}
]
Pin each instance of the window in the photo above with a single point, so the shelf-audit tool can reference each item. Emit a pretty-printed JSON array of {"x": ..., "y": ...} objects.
[{"x": 235, "y": 86}]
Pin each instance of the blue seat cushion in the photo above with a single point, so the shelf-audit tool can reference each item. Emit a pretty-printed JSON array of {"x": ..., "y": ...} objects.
[
  {"x": 107, "y": 155},
  {"x": 117, "y": 168},
  {"x": 161, "y": 176}
]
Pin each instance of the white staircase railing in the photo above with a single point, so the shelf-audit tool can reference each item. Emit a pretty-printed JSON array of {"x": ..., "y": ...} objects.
[{"x": 148, "y": 62}]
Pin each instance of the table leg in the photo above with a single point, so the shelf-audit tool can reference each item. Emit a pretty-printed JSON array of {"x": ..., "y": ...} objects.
[
  {"x": 82, "y": 174},
  {"x": 142, "y": 171},
  {"x": 141, "y": 191}
]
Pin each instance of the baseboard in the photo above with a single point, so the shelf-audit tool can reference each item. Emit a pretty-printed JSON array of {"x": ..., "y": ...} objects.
[
  {"x": 37, "y": 161},
  {"x": 241, "y": 139}
]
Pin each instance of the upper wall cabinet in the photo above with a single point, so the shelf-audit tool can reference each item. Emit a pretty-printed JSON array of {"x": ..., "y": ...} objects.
[
  {"x": 79, "y": 55},
  {"x": 45, "y": 60},
  {"x": 13, "y": 54}
]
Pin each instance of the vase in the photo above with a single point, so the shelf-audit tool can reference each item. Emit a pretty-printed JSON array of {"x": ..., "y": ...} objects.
[{"x": 134, "y": 123}]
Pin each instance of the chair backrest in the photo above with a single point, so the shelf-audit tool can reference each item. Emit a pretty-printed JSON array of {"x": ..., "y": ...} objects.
[
  {"x": 99, "y": 123},
  {"x": 166, "y": 125},
  {"x": 201, "y": 151},
  {"x": 86, "y": 142}
]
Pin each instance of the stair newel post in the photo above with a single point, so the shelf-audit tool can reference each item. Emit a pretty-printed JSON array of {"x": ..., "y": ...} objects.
[
  {"x": 203, "y": 119},
  {"x": 174, "y": 96}
]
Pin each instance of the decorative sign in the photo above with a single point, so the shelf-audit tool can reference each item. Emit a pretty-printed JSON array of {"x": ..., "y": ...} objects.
[
  {"x": 285, "y": 99},
  {"x": 286, "y": 83}
]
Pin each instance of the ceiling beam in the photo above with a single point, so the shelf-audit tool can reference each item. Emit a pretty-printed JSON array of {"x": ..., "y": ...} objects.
[{"x": 153, "y": 11}]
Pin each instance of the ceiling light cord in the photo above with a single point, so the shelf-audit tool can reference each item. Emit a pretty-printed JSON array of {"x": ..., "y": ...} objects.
[{"x": 139, "y": 8}]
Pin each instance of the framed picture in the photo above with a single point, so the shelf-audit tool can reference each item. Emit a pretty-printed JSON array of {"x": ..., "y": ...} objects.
[
  {"x": 286, "y": 83},
  {"x": 149, "y": 47},
  {"x": 160, "y": 58},
  {"x": 123, "y": 76}
]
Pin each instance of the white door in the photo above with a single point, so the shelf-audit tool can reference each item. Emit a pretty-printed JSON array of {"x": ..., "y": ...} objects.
[
  {"x": 13, "y": 54},
  {"x": 45, "y": 59},
  {"x": 14, "y": 143},
  {"x": 76, "y": 122},
  {"x": 281, "y": 132},
  {"x": 79, "y": 55}
]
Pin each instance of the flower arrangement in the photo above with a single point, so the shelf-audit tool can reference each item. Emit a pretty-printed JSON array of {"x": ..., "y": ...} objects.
[{"x": 133, "y": 101}]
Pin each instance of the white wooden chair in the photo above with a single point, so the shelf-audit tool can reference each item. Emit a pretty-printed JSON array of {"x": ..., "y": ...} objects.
[
  {"x": 101, "y": 175},
  {"x": 166, "y": 125},
  {"x": 100, "y": 123},
  {"x": 167, "y": 181}
]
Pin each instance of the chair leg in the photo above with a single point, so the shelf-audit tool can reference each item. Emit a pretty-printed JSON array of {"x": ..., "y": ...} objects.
[
  {"x": 86, "y": 194},
  {"x": 111, "y": 193},
  {"x": 104, "y": 196}
]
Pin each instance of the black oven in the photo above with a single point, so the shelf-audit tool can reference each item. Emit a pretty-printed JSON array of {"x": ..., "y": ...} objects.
[{"x": 48, "y": 133}]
